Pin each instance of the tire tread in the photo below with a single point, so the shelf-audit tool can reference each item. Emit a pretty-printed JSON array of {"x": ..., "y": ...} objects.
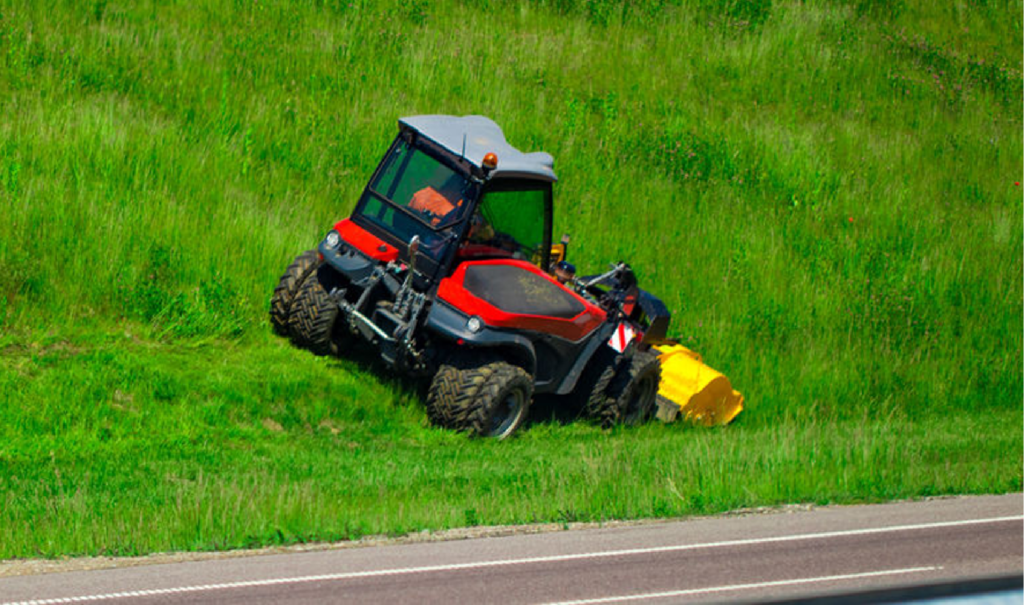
[
  {"x": 312, "y": 318},
  {"x": 288, "y": 286},
  {"x": 464, "y": 392}
]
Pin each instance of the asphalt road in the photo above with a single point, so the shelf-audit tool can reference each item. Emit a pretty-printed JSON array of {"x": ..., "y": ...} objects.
[{"x": 732, "y": 558}]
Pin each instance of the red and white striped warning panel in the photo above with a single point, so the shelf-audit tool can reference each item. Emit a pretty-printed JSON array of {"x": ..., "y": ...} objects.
[{"x": 621, "y": 337}]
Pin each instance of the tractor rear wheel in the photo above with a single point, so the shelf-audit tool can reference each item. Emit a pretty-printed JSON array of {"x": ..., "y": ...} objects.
[
  {"x": 635, "y": 388},
  {"x": 485, "y": 399},
  {"x": 288, "y": 286},
  {"x": 312, "y": 318},
  {"x": 630, "y": 394},
  {"x": 592, "y": 387}
]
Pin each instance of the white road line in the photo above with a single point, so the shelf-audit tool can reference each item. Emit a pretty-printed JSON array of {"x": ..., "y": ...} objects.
[
  {"x": 713, "y": 589},
  {"x": 508, "y": 562}
]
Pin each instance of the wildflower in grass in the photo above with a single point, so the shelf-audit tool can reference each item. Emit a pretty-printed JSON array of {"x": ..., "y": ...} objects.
[{"x": 850, "y": 220}]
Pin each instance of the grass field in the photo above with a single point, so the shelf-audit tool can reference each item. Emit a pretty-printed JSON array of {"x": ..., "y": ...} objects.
[{"x": 826, "y": 194}]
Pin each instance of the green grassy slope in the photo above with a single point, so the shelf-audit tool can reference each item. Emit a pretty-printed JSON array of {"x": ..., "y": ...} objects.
[{"x": 826, "y": 194}]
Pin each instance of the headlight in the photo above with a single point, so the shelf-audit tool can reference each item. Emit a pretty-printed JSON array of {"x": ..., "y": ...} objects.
[
  {"x": 474, "y": 324},
  {"x": 333, "y": 239}
]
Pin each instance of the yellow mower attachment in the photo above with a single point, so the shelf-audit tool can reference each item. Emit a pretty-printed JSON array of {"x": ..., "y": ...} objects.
[{"x": 690, "y": 389}]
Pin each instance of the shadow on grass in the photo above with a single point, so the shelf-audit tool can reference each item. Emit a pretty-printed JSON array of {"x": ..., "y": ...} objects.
[
  {"x": 558, "y": 410},
  {"x": 367, "y": 360}
]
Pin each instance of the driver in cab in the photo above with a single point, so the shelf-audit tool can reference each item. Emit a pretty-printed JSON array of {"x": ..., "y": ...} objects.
[{"x": 436, "y": 204}]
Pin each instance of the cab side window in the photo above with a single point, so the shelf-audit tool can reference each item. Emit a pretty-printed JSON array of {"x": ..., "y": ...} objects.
[{"x": 511, "y": 220}]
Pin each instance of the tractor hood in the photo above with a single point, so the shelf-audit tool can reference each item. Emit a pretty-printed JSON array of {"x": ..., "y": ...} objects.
[{"x": 479, "y": 136}]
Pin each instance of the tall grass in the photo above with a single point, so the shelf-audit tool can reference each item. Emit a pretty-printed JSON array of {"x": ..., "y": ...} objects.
[{"x": 826, "y": 194}]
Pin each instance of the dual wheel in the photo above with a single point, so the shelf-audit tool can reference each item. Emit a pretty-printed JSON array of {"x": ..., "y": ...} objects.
[
  {"x": 302, "y": 310},
  {"x": 620, "y": 389},
  {"x": 488, "y": 399}
]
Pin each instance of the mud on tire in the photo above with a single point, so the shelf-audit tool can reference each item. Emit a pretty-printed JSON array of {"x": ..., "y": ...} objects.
[
  {"x": 312, "y": 318},
  {"x": 631, "y": 394},
  {"x": 487, "y": 399},
  {"x": 288, "y": 286}
]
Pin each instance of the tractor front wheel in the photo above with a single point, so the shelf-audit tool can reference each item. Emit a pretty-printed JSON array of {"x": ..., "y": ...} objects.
[
  {"x": 485, "y": 399},
  {"x": 288, "y": 286},
  {"x": 312, "y": 318}
]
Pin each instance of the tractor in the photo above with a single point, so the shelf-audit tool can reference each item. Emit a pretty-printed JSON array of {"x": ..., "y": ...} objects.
[{"x": 447, "y": 270}]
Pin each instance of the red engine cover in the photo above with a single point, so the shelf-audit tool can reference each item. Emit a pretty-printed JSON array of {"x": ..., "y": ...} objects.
[{"x": 516, "y": 294}]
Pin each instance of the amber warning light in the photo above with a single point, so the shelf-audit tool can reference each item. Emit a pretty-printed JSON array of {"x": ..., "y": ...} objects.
[{"x": 490, "y": 161}]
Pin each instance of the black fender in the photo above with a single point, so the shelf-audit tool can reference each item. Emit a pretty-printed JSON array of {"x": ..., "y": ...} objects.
[
  {"x": 448, "y": 322},
  {"x": 599, "y": 338},
  {"x": 658, "y": 316}
]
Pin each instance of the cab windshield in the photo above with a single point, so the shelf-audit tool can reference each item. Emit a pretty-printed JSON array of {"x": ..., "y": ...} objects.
[
  {"x": 421, "y": 186},
  {"x": 413, "y": 193}
]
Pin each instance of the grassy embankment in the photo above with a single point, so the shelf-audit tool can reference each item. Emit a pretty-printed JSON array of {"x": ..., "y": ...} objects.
[{"x": 824, "y": 193}]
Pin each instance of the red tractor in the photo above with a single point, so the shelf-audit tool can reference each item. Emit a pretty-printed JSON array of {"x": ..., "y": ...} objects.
[{"x": 447, "y": 269}]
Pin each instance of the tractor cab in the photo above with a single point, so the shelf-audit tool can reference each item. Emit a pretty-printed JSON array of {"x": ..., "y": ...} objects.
[{"x": 462, "y": 191}]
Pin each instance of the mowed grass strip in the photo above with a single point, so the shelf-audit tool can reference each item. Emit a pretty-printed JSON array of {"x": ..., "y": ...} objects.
[
  {"x": 114, "y": 450},
  {"x": 826, "y": 194}
]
